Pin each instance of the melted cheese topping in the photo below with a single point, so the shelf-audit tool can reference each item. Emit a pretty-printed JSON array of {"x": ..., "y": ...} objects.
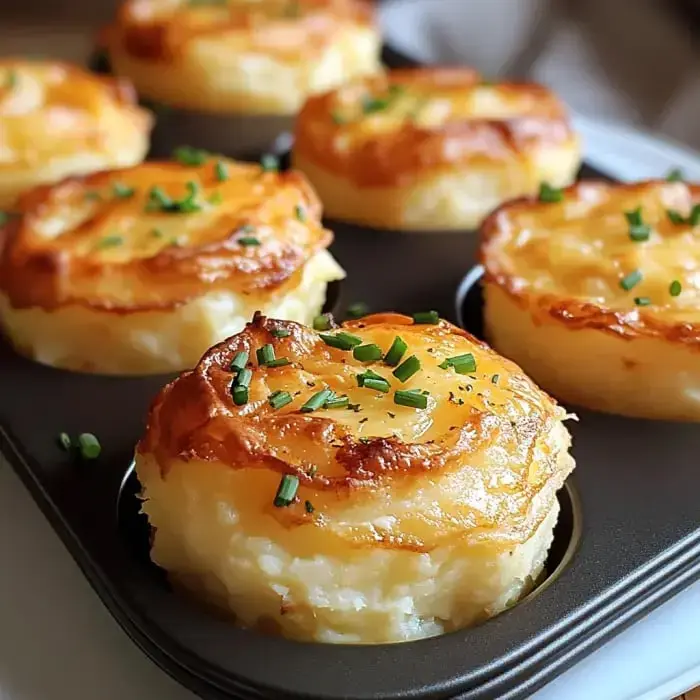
[
  {"x": 489, "y": 440},
  {"x": 582, "y": 248},
  {"x": 162, "y": 233},
  {"x": 53, "y": 111},
  {"x": 377, "y": 129}
]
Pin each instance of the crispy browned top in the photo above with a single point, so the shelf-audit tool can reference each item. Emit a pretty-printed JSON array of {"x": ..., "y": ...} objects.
[
  {"x": 489, "y": 439},
  {"x": 50, "y": 109},
  {"x": 161, "y": 30},
  {"x": 569, "y": 259},
  {"x": 386, "y": 129},
  {"x": 105, "y": 242}
]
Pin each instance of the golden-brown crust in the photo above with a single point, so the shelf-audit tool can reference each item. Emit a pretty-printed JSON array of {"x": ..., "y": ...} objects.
[
  {"x": 291, "y": 29},
  {"x": 431, "y": 120},
  {"x": 117, "y": 255},
  {"x": 194, "y": 417},
  {"x": 72, "y": 104},
  {"x": 629, "y": 322}
]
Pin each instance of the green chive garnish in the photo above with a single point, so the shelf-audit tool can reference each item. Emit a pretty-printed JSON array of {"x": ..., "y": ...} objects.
[
  {"x": 122, "y": 191},
  {"x": 309, "y": 507},
  {"x": 675, "y": 217},
  {"x": 694, "y": 218},
  {"x": 270, "y": 163},
  {"x": 631, "y": 280},
  {"x": 110, "y": 242},
  {"x": 358, "y": 310},
  {"x": 280, "y": 333},
  {"x": 407, "y": 369},
  {"x": 215, "y": 198},
  {"x": 279, "y": 399},
  {"x": 64, "y": 441},
  {"x": 550, "y": 194},
  {"x": 675, "y": 175},
  {"x": 221, "y": 171},
  {"x": 12, "y": 80},
  {"x": 286, "y": 491},
  {"x": 396, "y": 352},
  {"x": 412, "y": 399},
  {"x": 279, "y": 362},
  {"x": 239, "y": 387},
  {"x": 337, "y": 402},
  {"x": 338, "y": 118},
  {"x": 323, "y": 322},
  {"x": 494, "y": 379},
  {"x": 462, "y": 364},
  {"x": 642, "y": 301},
  {"x": 376, "y": 384},
  {"x": 370, "y": 104},
  {"x": 248, "y": 241},
  {"x": 638, "y": 231},
  {"x": 186, "y": 155},
  {"x": 317, "y": 401},
  {"x": 159, "y": 201},
  {"x": 367, "y": 353},
  {"x": 244, "y": 377},
  {"x": 265, "y": 354},
  {"x": 300, "y": 213},
  {"x": 426, "y": 317},
  {"x": 157, "y": 233},
  {"x": 89, "y": 446},
  {"x": 239, "y": 361},
  {"x": 342, "y": 341},
  {"x": 368, "y": 374},
  {"x": 675, "y": 288}
]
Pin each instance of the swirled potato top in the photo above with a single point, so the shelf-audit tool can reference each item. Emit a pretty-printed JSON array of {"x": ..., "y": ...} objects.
[
  {"x": 158, "y": 234},
  {"x": 468, "y": 460},
  {"x": 631, "y": 249},
  {"x": 51, "y": 110},
  {"x": 158, "y": 30},
  {"x": 377, "y": 130}
]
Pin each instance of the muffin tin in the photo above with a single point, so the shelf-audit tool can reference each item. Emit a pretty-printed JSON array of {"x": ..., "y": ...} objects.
[{"x": 628, "y": 537}]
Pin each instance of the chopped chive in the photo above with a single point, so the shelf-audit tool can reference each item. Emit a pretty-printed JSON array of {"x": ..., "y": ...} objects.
[
  {"x": 221, "y": 171},
  {"x": 376, "y": 384},
  {"x": 186, "y": 155},
  {"x": 270, "y": 163},
  {"x": 342, "y": 341},
  {"x": 638, "y": 230},
  {"x": 122, "y": 191},
  {"x": 412, "y": 399},
  {"x": 244, "y": 377},
  {"x": 157, "y": 233},
  {"x": 280, "y": 333},
  {"x": 279, "y": 399},
  {"x": 462, "y": 364},
  {"x": 300, "y": 213},
  {"x": 247, "y": 241},
  {"x": 64, "y": 441},
  {"x": 675, "y": 175},
  {"x": 426, "y": 317},
  {"x": 337, "y": 402},
  {"x": 338, "y": 118},
  {"x": 642, "y": 301},
  {"x": 279, "y": 362},
  {"x": 675, "y": 288},
  {"x": 110, "y": 242},
  {"x": 407, "y": 369},
  {"x": 367, "y": 353},
  {"x": 396, "y": 352},
  {"x": 550, "y": 194},
  {"x": 634, "y": 217},
  {"x": 694, "y": 218},
  {"x": 239, "y": 361},
  {"x": 494, "y": 379},
  {"x": 265, "y": 354},
  {"x": 370, "y": 104},
  {"x": 159, "y": 201},
  {"x": 357, "y": 310},
  {"x": 12, "y": 80},
  {"x": 316, "y": 401},
  {"x": 240, "y": 395},
  {"x": 675, "y": 217},
  {"x": 309, "y": 507},
  {"x": 248, "y": 228},
  {"x": 631, "y": 280},
  {"x": 286, "y": 491},
  {"x": 323, "y": 322},
  {"x": 215, "y": 198},
  {"x": 89, "y": 446},
  {"x": 368, "y": 374}
]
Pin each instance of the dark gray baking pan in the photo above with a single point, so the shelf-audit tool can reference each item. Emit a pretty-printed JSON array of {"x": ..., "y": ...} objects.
[{"x": 627, "y": 540}]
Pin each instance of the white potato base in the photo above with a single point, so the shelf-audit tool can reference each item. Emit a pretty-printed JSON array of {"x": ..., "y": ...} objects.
[
  {"x": 150, "y": 342},
  {"x": 641, "y": 377}
]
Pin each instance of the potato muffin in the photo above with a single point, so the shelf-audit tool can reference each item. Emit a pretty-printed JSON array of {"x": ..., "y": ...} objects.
[
  {"x": 381, "y": 482},
  {"x": 431, "y": 148},
  {"x": 212, "y": 61},
  {"x": 58, "y": 120},
  {"x": 140, "y": 270},
  {"x": 594, "y": 291}
]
